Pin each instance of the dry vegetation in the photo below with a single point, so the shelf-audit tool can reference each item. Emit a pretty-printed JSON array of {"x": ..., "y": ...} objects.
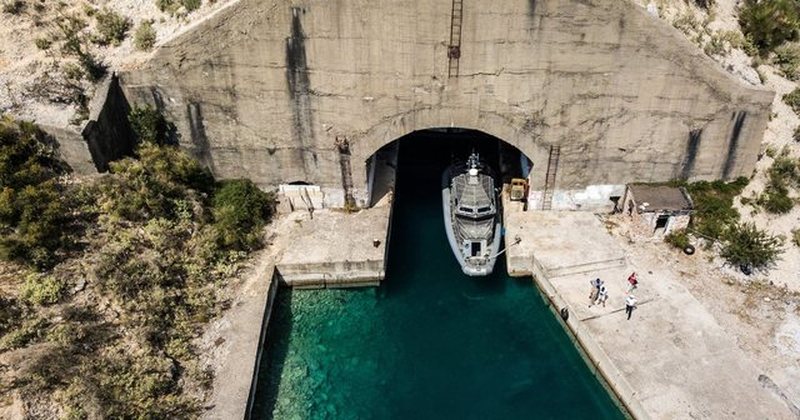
[
  {"x": 53, "y": 52},
  {"x": 758, "y": 41},
  {"x": 107, "y": 282}
]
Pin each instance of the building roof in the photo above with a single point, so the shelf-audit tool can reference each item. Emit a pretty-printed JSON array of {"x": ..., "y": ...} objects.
[{"x": 660, "y": 197}]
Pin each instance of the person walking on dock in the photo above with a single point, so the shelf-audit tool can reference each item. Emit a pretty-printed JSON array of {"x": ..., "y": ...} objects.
[
  {"x": 596, "y": 285},
  {"x": 630, "y": 305},
  {"x": 633, "y": 279},
  {"x": 602, "y": 296}
]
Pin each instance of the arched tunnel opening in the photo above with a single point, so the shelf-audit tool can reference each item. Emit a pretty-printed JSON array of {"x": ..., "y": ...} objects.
[{"x": 423, "y": 155}]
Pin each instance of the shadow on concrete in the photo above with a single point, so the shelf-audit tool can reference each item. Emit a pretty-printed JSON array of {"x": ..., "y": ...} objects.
[{"x": 273, "y": 357}]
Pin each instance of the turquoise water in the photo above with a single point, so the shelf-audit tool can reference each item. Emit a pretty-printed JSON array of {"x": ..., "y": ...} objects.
[{"x": 430, "y": 343}]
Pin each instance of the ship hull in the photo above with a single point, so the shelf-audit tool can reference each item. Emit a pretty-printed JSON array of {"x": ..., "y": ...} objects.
[{"x": 482, "y": 264}]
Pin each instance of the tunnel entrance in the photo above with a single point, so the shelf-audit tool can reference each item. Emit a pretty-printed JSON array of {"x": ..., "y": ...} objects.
[{"x": 436, "y": 148}]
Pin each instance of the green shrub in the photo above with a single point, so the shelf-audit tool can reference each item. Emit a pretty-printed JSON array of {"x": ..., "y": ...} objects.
[
  {"x": 744, "y": 245},
  {"x": 687, "y": 22},
  {"x": 150, "y": 126},
  {"x": 169, "y": 6},
  {"x": 112, "y": 27},
  {"x": 73, "y": 44},
  {"x": 33, "y": 211},
  {"x": 776, "y": 200},
  {"x": 787, "y": 59},
  {"x": 784, "y": 173},
  {"x": 172, "y": 6},
  {"x": 784, "y": 170},
  {"x": 27, "y": 155},
  {"x": 14, "y": 7},
  {"x": 191, "y": 5},
  {"x": 164, "y": 237},
  {"x": 771, "y": 152},
  {"x": 154, "y": 185},
  {"x": 713, "y": 205},
  {"x": 796, "y": 134},
  {"x": 796, "y": 236},
  {"x": 42, "y": 289},
  {"x": 770, "y": 23},
  {"x": 30, "y": 331},
  {"x": 129, "y": 386},
  {"x": 715, "y": 46},
  {"x": 36, "y": 217},
  {"x": 145, "y": 37},
  {"x": 678, "y": 238},
  {"x": 43, "y": 43},
  {"x": 10, "y": 314},
  {"x": 240, "y": 212},
  {"x": 705, "y": 4},
  {"x": 793, "y": 100}
]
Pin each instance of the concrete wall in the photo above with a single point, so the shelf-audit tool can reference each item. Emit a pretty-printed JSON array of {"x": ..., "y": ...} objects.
[
  {"x": 104, "y": 137},
  {"x": 72, "y": 148},
  {"x": 263, "y": 89}
]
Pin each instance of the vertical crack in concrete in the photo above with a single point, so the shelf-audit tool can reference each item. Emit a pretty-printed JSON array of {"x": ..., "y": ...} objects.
[
  {"x": 299, "y": 93},
  {"x": 197, "y": 132},
  {"x": 690, "y": 155},
  {"x": 738, "y": 118}
]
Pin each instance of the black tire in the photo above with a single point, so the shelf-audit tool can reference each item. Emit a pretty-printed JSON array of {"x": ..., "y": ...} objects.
[
  {"x": 564, "y": 313},
  {"x": 688, "y": 249}
]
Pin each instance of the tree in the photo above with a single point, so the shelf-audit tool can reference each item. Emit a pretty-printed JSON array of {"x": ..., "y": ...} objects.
[
  {"x": 770, "y": 23},
  {"x": 751, "y": 249},
  {"x": 240, "y": 211}
]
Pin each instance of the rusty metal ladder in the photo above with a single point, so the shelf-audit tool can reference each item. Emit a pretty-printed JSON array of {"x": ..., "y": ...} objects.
[
  {"x": 343, "y": 146},
  {"x": 454, "y": 48},
  {"x": 550, "y": 180}
]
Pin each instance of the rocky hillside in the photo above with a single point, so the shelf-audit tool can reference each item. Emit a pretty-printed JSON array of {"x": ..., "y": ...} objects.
[{"x": 52, "y": 52}]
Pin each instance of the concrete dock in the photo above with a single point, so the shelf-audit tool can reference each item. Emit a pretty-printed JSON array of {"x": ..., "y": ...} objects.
[
  {"x": 326, "y": 248},
  {"x": 672, "y": 359},
  {"x": 332, "y": 248}
]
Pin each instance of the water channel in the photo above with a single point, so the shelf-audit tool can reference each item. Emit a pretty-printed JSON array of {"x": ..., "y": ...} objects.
[{"x": 430, "y": 343}]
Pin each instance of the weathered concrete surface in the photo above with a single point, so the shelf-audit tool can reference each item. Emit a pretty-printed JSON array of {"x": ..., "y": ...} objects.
[
  {"x": 336, "y": 249},
  {"x": 672, "y": 359},
  {"x": 551, "y": 243},
  {"x": 72, "y": 148},
  {"x": 233, "y": 344},
  {"x": 263, "y": 89},
  {"x": 105, "y": 136}
]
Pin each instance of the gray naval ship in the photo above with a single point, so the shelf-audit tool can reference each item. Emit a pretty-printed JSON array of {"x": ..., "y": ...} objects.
[{"x": 471, "y": 216}]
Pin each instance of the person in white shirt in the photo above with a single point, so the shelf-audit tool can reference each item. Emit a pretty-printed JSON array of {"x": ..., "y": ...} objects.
[
  {"x": 596, "y": 284},
  {"x": 602, "y": 296},
  {"x": 630, "y": 305}
]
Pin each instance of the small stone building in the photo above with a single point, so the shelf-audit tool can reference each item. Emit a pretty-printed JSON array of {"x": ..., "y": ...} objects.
[{"x": 657, "y": 208}]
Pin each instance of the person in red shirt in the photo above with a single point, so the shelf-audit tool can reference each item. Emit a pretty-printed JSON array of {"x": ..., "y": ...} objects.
[{"x": 633, "y": 279}]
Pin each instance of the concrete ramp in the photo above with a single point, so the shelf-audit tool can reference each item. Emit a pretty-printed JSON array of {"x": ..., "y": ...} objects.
[{"x": 558, "y": 243}]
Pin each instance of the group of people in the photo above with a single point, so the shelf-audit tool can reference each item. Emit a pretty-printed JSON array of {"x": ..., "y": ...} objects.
[{"x": 599, "y": 293}]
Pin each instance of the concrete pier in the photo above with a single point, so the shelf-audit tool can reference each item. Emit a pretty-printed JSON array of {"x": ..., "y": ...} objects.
[
  {"x": 332, "y": 248},
  {"x": 323, "y": 248},
  {"x": 672, "y": 359}
]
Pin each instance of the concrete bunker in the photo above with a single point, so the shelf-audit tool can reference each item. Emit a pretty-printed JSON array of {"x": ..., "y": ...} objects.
[
  {"x": 657, "y": 209},
  {"x": 597, "y": 94}
]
